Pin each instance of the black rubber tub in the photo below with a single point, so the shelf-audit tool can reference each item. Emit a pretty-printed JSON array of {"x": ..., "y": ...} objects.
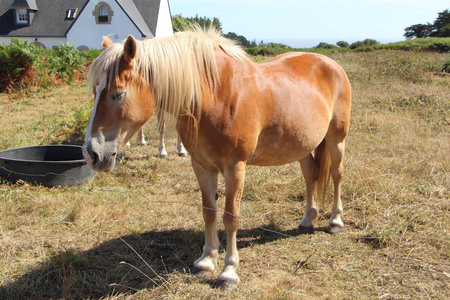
[{"x": 53, "y": 165}]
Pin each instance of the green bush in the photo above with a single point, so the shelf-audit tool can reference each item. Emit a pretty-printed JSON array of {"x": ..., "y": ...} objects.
[
  {"x": 323, "y": 45},
  {"x": 446, "y": 65},
  {"x": 260, "y": 51},
  {"x": 91, "y": 54},
  {"x": 343, "y": 44},
  {"x": 422, "y": 44},
  {"x": 72, "y": 130},
  {"x": 63, "y": 60},
  {"x": 16, "y": 64},
  {"x": 365, "y": 43},
  {"x": 23, "y": 65}
]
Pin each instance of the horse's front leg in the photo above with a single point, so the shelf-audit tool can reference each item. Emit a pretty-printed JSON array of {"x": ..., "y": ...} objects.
[
  {"x": 161, "y": 146},
  {"x": 234, "y": 182},
  {"x": 141, "y": 136},
  {"x": 207, "y": 180}
]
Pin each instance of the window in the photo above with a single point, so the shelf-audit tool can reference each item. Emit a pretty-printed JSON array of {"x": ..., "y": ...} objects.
[
  {"x": 103, "y": 13},
  {"x": 22, "y": 17},
  {"x": 71, "y": 13}
]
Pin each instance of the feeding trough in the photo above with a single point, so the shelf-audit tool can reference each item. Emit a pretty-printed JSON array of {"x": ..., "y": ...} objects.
[{"x": 52, "y": 165}]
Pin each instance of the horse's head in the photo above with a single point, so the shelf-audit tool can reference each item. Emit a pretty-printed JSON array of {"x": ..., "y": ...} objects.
[{"x": 123, "y": 103}]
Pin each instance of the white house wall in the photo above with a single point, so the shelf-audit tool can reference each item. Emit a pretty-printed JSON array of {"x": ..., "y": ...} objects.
[
  {"x": 86, "y": 32},
  {"x": 164, "y": 25}
]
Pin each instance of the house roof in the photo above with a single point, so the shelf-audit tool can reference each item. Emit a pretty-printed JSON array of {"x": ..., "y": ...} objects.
[
  {"x": 136, "y": 9},
  {"x": 24, "y": 4},
  {"x": 50, "y": 17}
]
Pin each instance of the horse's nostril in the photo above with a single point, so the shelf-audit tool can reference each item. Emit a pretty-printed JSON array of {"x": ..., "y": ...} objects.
[{"x": 95, "y": 158}]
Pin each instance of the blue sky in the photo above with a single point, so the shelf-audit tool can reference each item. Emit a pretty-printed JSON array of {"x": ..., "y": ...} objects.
[{"x": 305, "y": 23}]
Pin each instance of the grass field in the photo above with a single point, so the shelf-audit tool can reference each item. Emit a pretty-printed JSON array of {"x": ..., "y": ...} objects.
[{"x": 134, "y": 233}]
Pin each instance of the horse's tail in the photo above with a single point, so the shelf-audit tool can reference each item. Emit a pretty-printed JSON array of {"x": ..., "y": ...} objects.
[{"x": 323, "y": 160}]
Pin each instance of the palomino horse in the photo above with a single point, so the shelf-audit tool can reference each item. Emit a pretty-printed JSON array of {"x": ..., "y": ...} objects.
[{"x": 231, "y": 112}]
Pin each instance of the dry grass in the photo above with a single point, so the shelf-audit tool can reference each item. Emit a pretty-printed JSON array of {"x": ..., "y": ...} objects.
[{"x": 72, "y": 243}]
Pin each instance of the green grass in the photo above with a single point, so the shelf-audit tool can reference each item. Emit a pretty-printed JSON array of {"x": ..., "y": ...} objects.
[{"x": 69, "y": 242}]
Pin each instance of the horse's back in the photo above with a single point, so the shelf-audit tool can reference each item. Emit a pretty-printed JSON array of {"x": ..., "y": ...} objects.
[{"x": 318, "y": 78}]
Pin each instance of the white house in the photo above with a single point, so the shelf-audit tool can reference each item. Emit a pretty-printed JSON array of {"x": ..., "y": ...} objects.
[{"x": 82, "y": 23}]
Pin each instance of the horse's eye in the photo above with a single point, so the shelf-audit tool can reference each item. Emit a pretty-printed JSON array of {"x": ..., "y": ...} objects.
[{"x": 118, "y": 96}]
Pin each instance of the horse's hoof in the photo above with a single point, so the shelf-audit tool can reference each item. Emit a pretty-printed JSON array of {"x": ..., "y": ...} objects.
[
  {"x": 228, "y": 279},
  {"x": 182, "y": 154},
  {"x": 305, "y": 229}
]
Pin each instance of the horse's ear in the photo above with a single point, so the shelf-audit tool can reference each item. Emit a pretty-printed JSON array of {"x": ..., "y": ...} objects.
[
  {"x": 106, "y": 42},
  {"x": 130, "y": 48}
]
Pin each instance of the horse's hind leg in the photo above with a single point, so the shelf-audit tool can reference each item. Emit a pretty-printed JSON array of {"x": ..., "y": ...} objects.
[
  {"x": 336, "y": 150},
  {"x": 207, "y": 180},
  {"x": 309, "y": 170}
]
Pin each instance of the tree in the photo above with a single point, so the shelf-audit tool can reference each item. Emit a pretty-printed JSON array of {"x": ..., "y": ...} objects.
[
  {"x": 440, "y": 27},
  {"x": 180, "y": 23},
  {"x": 343, "y": 44},
  {"x": 272, "y": 45},
  {"x": 365, "y": 43},
  {"x": 323, "y": 45},
  {"x": 241, "y": 40},
  {"x": 418, "y": 31},
  {"x": 205, "y": 22}
]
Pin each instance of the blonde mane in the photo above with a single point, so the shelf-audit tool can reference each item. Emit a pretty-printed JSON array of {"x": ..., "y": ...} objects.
[{"x": 177, "y": 67}]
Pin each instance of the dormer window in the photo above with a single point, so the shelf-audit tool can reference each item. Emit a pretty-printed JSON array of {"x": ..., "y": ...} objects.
[
  {"x": 71, "y": 13},
  {"x": 22, "y": 17},
  {"x": 103, "y": 13}
]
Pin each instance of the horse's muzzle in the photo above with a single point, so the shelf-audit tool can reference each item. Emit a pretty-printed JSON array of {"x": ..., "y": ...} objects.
[{"x": 97, "y": 160}]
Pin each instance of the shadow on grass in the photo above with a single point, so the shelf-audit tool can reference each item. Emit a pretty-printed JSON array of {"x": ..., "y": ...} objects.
[{"x": 114, "y": 268}]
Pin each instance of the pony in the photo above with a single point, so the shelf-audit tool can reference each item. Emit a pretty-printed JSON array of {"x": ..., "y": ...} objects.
[{"x": 231, "y": 112}]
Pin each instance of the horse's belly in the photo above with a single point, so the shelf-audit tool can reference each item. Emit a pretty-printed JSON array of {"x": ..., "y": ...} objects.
[{"x": 280, "y": 150}]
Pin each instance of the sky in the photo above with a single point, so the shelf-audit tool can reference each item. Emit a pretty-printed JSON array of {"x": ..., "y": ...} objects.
[{"x": 305, "y": 23}]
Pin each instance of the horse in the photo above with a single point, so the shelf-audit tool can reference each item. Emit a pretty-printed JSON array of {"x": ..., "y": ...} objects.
[
  {"x": 231, "y": 112},
  {"x": 162, "y": 152}
]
